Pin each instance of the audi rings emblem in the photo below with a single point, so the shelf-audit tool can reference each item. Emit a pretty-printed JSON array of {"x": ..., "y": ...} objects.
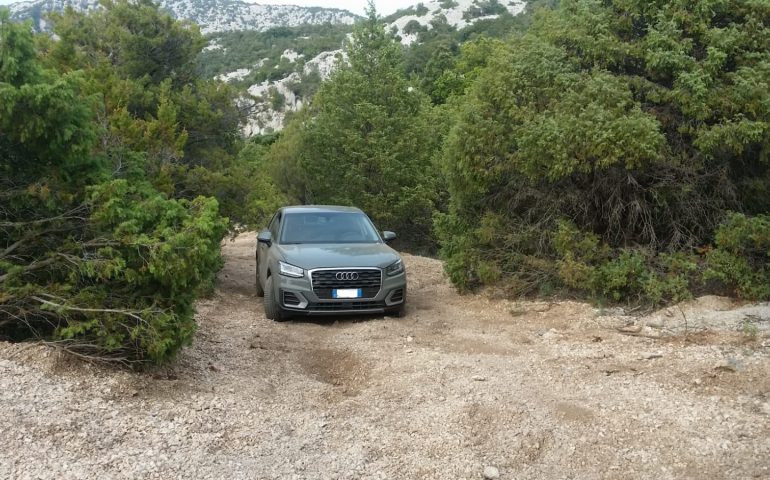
[{"x": 347, "y": 276}]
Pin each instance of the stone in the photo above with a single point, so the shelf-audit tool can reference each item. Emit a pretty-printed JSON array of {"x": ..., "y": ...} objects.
[
  {"x": 656, "y": 322},
  {"x": 652, "y": 356},
  {"x": 491, "y": 473},
  {"x": 730, "y": 365},
  {"x": 631, "y": 329}
]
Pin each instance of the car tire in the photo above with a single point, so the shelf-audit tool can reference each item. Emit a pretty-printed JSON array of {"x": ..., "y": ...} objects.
[
  {"x": 258, "y": 288},
  {"x": 272, "y": 309},
  {"x": 399, "y": 312}
]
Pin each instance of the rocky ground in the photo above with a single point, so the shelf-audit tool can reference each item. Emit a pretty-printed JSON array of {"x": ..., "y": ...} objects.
[{"x": 463, "y": 387}]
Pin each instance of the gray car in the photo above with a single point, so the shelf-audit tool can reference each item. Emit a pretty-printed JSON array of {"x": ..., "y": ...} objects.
[{"x": 323, "y": 260}]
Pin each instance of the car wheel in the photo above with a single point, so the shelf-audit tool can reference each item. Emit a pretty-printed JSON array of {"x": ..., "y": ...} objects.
[
  {"x": 399, "y": 312},
  {"x": 260, "y": 291},
  {"x": 272, "y": 309}
]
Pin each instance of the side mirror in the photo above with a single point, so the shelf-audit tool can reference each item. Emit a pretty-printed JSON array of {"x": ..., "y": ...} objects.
[
  {"x": 388, "y": 236},
  {"x": 265, "y": 237}
]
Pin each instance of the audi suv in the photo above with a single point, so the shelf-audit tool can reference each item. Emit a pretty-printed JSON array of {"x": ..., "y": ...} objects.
[{"x": 325, "y": 260}]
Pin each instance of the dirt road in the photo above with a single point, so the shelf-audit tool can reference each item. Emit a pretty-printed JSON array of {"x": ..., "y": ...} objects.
[{"x": 463, "y": 384}]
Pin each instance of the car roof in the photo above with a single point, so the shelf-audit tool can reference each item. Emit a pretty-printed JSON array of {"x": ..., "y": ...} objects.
[{"x": 320, "y": 209}]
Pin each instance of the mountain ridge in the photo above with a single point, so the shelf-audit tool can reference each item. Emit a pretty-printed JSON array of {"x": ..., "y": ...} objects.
[
  {"x": 213, "y": 16},
  {"x": 278, "y": 79}
]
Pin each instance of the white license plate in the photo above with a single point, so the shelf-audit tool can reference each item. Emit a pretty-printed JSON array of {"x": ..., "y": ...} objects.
[{"x": 348, "y": 293}]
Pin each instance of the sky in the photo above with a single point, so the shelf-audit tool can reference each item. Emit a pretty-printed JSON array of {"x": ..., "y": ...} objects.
[{"x": 384, "y": 7}]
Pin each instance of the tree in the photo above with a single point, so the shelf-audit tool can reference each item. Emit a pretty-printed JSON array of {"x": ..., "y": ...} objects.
[
  {"x": 365, "y": 140},
  {"x": 183, "y": 130},
  {"x": 93, "y": 259},
  {"x": 640, "y": 124}
]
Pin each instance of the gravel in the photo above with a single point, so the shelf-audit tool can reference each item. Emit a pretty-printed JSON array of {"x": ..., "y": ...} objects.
[{"x": 463, "y": 387}]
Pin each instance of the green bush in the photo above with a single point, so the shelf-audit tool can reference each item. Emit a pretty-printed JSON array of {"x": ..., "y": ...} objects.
[
  {"x": 675, "y": 279},
  {"x": 642, "y": 123},
  {"x": 139, "y": 287},
  {"x": 105, "y": 151},
  {"x": 183, "y": 129},
  {"x": 413, "y": 27},
  {"x": 483, "y": 8},
  {"x": 622, "y": 278},
  {"x": 588, "y": 266},
  {"x": 579, "y": 253},
  {"x": 741, "y": 256}
]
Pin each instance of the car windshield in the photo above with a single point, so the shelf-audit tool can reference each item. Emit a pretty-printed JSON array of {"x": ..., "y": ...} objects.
[{"x": 328, "y": 227}]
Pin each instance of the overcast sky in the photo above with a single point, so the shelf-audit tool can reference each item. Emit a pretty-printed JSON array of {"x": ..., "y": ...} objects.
[{"x": 356, "y": 6}]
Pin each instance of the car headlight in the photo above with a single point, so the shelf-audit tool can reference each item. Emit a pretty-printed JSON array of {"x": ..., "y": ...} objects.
[
  {"x": 395, "y": 269},
  {"x": 290, "y": 270}
]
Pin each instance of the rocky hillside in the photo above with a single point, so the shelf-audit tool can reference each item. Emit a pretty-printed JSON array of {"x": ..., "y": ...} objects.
[
  {"x": 280, "y": 54},
  {"x": 273, "y": 101},
  {"x": 408, "y": 23},
  {"x": 212, "y": 15},
  {"x": 276, "y": 98}
]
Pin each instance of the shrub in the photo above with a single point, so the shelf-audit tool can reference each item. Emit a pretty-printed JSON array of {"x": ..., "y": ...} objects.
[
  {"x": 643, "y": 136},
  {"x": 622, "y": 278},
  {"x": 673, "y": 279},
  {"x": 104, "y": 250},
  {"x": 139, "y": 287},
  {"x": 413, "y": 27},
  {"x": 741, "y": 256},
  {"x": 124, "y": 289}
]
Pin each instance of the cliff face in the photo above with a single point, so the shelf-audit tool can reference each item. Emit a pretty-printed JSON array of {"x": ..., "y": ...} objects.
[{"x": 212, "y": 15}]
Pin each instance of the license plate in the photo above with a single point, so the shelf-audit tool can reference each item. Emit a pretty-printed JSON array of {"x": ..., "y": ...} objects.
[{"x": 347, "y": 293}]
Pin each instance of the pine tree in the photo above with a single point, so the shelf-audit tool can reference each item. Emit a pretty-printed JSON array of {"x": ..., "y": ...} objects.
[{"x": 366, "y": 139}]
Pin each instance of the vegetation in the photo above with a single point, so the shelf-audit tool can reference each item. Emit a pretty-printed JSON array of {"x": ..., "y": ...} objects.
[
  {"x": 614, "y": 150},
  {"x": 367, "y": 139},
  {"x": 483, "y": 8},
  {"x": 741, "y": 257},
  {"x": 436, "y": 60},
  {"x": 117, "y": 164},
  {"x": 604, "y": 163},
  {"x": 262, "y": 52}
]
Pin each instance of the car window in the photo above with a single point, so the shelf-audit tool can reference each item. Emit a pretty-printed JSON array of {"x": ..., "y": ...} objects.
[
  {"x": 275, "y": 224},
  {"x": 328, "y": 227}
]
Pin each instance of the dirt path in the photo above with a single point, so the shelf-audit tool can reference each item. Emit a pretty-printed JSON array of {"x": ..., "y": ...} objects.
[{"x": 536, "y": 391}]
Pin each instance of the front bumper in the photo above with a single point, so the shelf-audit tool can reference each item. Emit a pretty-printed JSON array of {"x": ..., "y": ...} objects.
[{"x": 297, "y": 297}]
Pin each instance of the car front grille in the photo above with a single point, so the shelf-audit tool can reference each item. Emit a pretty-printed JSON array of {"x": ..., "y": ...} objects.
[
  {"x": 345, "y": 306},
  {"x": 324, "y": 281}
]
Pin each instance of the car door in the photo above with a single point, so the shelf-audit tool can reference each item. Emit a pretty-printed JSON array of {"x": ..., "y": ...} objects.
[{"x": 263, "y": 249}]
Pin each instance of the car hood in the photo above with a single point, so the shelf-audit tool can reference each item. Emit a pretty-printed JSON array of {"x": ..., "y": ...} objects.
[{"x": 339, "y": 255}]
